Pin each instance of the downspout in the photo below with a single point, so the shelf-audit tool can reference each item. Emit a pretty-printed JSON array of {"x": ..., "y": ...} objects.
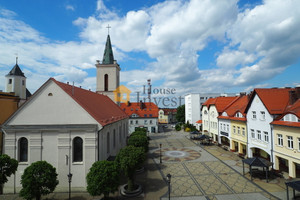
[{"x": 272, "y": 147}]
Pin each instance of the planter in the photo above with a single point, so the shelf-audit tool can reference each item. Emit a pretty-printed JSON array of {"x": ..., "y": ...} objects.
[
  {"x": 124, "y": 192},
  {"x": 140, "y": 170}
]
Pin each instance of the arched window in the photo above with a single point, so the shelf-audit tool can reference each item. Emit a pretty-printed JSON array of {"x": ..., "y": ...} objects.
[
  {"x": 114, "y": 138},
  {"x": 23, "y": 150},
  {"x": 105, "y": 82},
  {"x": 108, "y": 143},
  {"x": 77, "y": 149}
]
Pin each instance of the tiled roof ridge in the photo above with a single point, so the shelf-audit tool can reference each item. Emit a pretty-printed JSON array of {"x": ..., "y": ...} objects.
[{"x": 103, "y": 122}]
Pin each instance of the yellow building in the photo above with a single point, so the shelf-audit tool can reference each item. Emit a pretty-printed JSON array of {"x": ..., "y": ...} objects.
[
  {"x": 162, "y": 118},
  {"x": 239, "y": 136},
  {"x": 286, "y": 132}
]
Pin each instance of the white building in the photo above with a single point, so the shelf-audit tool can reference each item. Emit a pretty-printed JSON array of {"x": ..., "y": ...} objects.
[
  {"x": 141, "y": 115},
  {"x": 61, "y": 121},
  {"x": 193, "y": 104},
  {"x": 264, "y": 106}
]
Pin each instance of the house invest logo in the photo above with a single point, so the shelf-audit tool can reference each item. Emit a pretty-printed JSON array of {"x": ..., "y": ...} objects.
[{"x": 122, "y": 94}]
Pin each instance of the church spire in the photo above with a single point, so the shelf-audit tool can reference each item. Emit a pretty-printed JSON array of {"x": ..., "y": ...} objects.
[{"x": 108, "y": 57}]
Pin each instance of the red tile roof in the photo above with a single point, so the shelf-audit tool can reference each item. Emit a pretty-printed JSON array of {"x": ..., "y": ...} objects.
[
  {"x": 221, "y": 103},
  {"x": 274, "y": 99},
  {"x": 291, "y": 109},
  {"x": 99, "y": 106},
  {"x": 149, "y": 109},
  {"x": 169, "y": 110}
]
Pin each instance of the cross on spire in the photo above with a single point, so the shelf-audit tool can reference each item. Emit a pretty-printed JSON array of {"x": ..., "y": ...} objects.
[
  {"x": 108, "y": 27},
  {"x": 16, "y": 58}
]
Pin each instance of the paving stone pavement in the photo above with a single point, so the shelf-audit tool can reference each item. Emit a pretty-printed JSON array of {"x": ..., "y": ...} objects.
[{"x": 216, "y": 174}]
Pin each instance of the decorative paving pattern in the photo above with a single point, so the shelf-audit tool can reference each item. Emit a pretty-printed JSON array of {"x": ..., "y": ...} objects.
[
  {"x": 218, "y": 167},
  {"x": 211, "y": 185},
  {"x": 177, "y": 154},
  {"x": 184, "y": 186}
]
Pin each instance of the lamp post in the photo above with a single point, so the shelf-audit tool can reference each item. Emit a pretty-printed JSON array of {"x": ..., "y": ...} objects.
[
  {"x": 169, "y": 184},
  {"x": 70, "y": 180},
  {"x": 160, "y": 153}
]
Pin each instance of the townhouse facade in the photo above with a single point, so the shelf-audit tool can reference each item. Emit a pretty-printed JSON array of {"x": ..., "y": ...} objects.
[
  {"x": 142, "y": 115},
  {"x": 286, "y": 131},
  {"x": 193, "y": 104}
]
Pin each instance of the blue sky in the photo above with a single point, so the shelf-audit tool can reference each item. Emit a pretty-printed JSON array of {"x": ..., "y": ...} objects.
[{"x": 193, "y": 46}]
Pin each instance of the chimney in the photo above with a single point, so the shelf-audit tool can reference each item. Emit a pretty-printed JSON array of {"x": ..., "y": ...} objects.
[
  {"x": 128, "y": 103},
  {"x": 297, "y": 89},
  {"x": 292, "y": 97},
  {"x": 141, "y": 104}
]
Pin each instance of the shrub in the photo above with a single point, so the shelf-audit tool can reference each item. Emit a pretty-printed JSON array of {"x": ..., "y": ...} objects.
[
  {"x": 8, "y": 166},
  {"x": 139, "y": 141},
  {"x": 140, "y": 129},
  {"x": 140, "y": 133},
  {"x": 187, "y": 129},
  {"x": 103, "y": 178},
  {"x": 40, "y": 178},
  {"x": 178, "y": 127}
]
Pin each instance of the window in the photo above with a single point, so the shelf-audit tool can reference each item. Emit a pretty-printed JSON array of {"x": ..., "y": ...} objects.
[
  {"x": 23, "y": 82},
  {"x": 131, "y": 122},
  {"x": 263, "y": 115},
  {"x": 150, "y": 121},
  {"x": 107, "y": 143},
  {"x": 114, "y": 139},
  {"x": 150, "y": 115},
  {"x": 23, "y": 150},
  {"x": 290, "y": 142},
  {"x": 253, "y": 114},
  {"x": 77, "y": 149},
  {"x": 298, "y": 144},
  {"x": 266, "y": 136},
  {"x": 145, "y": 122},
  {"x": 252, "y": 133},
  {"x": 136, "y": 122},
  {"x": 106, "y": 82},
  {"x": 233, "y": 129},
  {"x": 227, "y": 127},
  {"x": 243, "y": 131},
  {"x": 145, "y": 115},
  {"x": 10, "y": 81},
  {"x": 120, "y": 135},
  {"x": 280, "y": 140},
  {"x": 238, "y": 130},
  {"x": 259, "y": 135}
]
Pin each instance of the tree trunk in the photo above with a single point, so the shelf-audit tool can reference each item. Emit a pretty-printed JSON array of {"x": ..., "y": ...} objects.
[{"x": 38, "y": 197}]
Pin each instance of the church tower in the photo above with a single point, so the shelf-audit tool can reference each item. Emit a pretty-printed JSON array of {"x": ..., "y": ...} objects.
[
  {"x": 108, "y": 72},
  {"x": 16, "y": 82}
]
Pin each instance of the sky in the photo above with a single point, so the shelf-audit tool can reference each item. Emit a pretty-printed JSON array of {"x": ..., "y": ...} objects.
[{"x": 192, "y": 46}]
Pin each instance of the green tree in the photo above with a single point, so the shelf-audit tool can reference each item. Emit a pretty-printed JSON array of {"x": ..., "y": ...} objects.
[
  {"x": 180, "y": 115},
  {"x": 8, "y": 166},
  {"x": 103, "y": 178},
  {"x": 178, "y": 127},
  {"x": 40, "y": 178},
  {"x": 139, "y": 141},
  {"x": 129, "y": 159},
  {"x": 142, "y": 133},
  {"x": 141, "y": 129}
]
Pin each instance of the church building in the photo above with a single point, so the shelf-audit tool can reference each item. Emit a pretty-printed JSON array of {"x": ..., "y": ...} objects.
[{"x": 67, "y": 126}]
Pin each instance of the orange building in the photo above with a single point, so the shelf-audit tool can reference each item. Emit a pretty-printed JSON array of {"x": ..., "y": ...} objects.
[{"x": 8, "y": 105}]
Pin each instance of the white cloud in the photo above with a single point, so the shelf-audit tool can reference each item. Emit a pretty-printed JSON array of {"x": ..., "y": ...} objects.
[
  {"x": 258, "y": 44},
  {"x": 70, "y": 7}
]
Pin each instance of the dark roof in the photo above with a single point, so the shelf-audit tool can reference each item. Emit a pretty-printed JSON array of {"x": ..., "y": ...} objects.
[
  {"x": 294, "y": 184},
  {"x": 258, "y": 162},
  {"x": 108, "y": 57},
  {"x": 28, "y": 94},
  {"x": 16, "y": 71}
]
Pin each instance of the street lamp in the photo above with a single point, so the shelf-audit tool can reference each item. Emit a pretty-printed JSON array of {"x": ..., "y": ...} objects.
[
  {"x": 160, "y": 153},
  {"x": 169, "y": 184},
  {"x": 70, "y": 180}
]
